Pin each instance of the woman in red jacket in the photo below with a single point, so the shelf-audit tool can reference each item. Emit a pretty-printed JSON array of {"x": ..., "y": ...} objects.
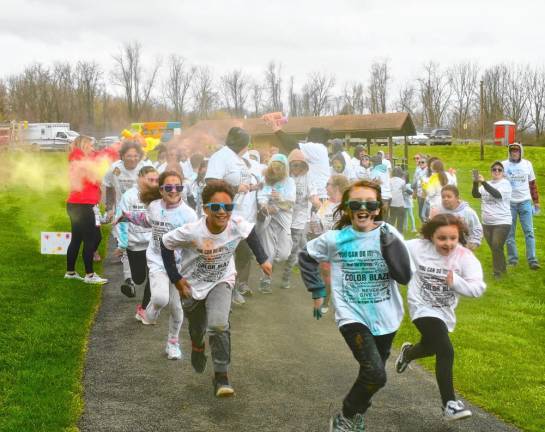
[{"x": 85, "y": 177}]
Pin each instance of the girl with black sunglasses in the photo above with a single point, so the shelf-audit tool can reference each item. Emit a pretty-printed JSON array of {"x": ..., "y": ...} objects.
[
  {"x": 368, "y": 259},
  {"x": 166, "y": 212}
]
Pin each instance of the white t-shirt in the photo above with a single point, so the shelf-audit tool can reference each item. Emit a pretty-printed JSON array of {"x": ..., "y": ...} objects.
[
  {"x": 122, "y": 179},
  {"x": 304, "y": 189},
  {"x": 496, "y": 211},
  {"x": 360, "y": 282},
  {"x": 287, "y": 190},
  {"x": 207, "y": 259},
  {"x": 318, "y": 165},
  {"x": 428, "y": 294},
  {"x": 163, "y": 220},
  {"x": 129, "y": 235},
  {"x": 397, "y": 185},
  {"x": 226, "y": 165},
  {"x": 519, "y": 174},
  {"x": 381, "y": 175}
]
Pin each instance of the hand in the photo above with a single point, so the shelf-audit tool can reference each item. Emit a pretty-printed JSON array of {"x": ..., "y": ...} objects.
[
  {"x": 267, "y": 268},
  {"x": 272, "y": 210},
  {"x": 450, "y": 278},
  {"x": 274, "y": 120},
  {"x": 243, "y": 188},
  {"x": 118, "y": 252},
  {"x": 480, "y": 179},
  {"x": 317, "y": 312},
  {"x": 183, "y": 288}
]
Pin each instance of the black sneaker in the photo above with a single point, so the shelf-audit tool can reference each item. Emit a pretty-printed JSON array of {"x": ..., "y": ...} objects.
[
  {"x": 222, "y": 387},
  {"x": 198, "y": 359},
  {"x": 534, "y": 266},
  {"x": 128, "y": 288},
  {"x": 402, "y": 362}
]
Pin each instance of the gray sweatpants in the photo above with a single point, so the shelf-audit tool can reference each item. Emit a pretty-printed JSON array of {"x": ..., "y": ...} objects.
[
  {"x": 299, "y": 240},
  {"x": 212, "y": 315}
]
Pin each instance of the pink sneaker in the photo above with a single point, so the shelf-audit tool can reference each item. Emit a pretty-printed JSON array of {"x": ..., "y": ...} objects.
[{"x": 141, "y": 315}]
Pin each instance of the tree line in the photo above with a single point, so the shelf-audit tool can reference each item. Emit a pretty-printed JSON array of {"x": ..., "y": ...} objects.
[{"x": 100, "y": 102}]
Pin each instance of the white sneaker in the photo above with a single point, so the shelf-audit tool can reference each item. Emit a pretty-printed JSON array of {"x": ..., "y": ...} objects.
[
  {"x": 238, "y": 298},
  {"x": 173, "y": 351},
  {"x": 72, "y": 276},
  {"x": 324, "y": 309},
  {"x": 141, "y": 315},
  {"x": 455, "y": 410},
  {"x": 95, "y": 279}
]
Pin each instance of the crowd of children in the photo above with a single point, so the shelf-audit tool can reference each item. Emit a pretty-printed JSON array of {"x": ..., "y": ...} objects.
[{"x": 187, "y": 226}]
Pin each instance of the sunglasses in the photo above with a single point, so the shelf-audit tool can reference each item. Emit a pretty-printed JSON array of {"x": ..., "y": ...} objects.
[
  {"x": 497, "y": 170},
  {"x": 297, "y": 165},
  {"x": 365, "y": 205},
  {"x": 422, "y": 162},
  {"x": 215, "y": 207},
  {"x": 172, "y": 187}
]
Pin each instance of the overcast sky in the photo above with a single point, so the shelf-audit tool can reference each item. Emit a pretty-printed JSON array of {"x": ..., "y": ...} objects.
[{"x": 342, "y": 37}]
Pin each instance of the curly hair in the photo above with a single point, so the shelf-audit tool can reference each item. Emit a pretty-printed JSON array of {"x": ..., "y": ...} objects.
[
  {"x": 214, "y": 187},
  {"x": 445, "y": 219}
]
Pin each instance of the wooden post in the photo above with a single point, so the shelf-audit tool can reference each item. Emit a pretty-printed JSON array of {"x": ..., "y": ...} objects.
[
  {"x": 406, "y": 152},
  {"x": 347, "y": 138},
  {"x": 482, "y": 118},
  {"x": 391, "y": 149},
  {"x": 369, "y": 146}
]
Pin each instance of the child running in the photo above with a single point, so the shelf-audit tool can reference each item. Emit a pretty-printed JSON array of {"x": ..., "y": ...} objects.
[
  {"x": 445, "y": 270},
  {"x": 166, "y": 211},
  {"x": 368, "y": 305},
  {"x": 208, "y": 270},
  {"x": 276, "y": 200}
]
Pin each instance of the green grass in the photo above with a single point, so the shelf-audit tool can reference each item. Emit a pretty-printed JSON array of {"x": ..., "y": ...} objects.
[
  {"x": 45, "y": 319},
  {"x": 499, "y": 340}
]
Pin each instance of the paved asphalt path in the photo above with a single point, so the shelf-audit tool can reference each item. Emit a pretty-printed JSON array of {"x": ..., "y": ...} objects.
[{"x": 288, "y": 370}]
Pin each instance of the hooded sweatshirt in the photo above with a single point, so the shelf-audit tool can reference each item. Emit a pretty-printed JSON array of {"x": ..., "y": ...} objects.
[
  {"x": 469, "y": 216},
  {"x": 521, "y": 176},
  {"x": 304, "y": 189}
]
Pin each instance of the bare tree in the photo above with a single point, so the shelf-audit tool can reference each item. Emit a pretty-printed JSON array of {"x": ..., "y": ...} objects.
[
  {"x": 517, "y": 96},
  {"x": 354, "y": 99},
  {"x": 434, "y": 94},
  {"x": 177, "y": 85},
  {"x": 317, "y": 93},
  {"x": 406, "y": 101},
  {"x": 463, "y": 80},
  {"x": 4, "y": 104},
  {"x": 88, "y": 84},
  {"x": 234, "y": 88},
  {"x": 494, "y": 86},
  {"x": 378, "y": 87},
  {"x": 273, "y": 86},
  {"x": 256, "y": 93},
  {"x": 204, "y": 95},
  {"x": 535, "y": 83},
  {"x": 129, "y": 75},
  {"x": 293, "y": 99}
]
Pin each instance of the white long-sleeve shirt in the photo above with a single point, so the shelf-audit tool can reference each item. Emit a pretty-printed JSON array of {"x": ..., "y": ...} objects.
[
  {"x": 131, "y": 236},
  {"x": 428, "y": 294}
]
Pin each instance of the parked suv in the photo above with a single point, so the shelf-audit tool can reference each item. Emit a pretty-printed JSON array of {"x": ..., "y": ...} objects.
[{"x": 440, "y": 136}]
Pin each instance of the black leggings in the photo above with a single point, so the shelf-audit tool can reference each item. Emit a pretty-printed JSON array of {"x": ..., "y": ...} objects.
[
  {"x": 140, "y": 272},
  {"x": 84, "y": 229},
  {"x": 435, "y": 341},
  {"x": 371, "y": 352}
]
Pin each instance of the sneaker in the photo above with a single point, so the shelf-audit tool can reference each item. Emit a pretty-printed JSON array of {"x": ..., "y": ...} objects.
[
  {"x": 94, "y": 279},
  {"x": 198, "y": 358},
  {"x": 534, "y": 266},
  {"x": 324, "y": 310},
  {"x": 173, "y": 350},
  {"x": 285, "y": 283},
  {"x": 128, "y": 288},
  {"x": 513, "y": 263},
  {"x": 141, "y": 315},
  {"x": 74, "y": 275},
  {"x": 401, "y": 362},
  {"x": 222, "y": 388},
  {"x": 455, "y": 410},
  {"x": 339, "y": 423},
  {"x": 238, "y": 298},
  {"x": 265, "y": 286},
  {"x": 245, "y": 289}
]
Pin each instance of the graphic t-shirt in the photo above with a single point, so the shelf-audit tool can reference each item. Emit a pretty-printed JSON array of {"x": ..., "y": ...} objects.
[
  {"x": 207, "y": 259},
  {"x": 301, "y": 209},
  {"x": 496, "y": 211},
  {"x": 428, "y": 293},
  {"x": 122, "y": 179},
  {"x": 131, "y": 236},
  {"x": 519, "y": 174},
  {"x": 163, "y": 220},
  {"x": 360, "y": 283}
]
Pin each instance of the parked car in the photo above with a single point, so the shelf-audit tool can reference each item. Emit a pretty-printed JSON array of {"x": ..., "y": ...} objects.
[
  {"x": 440, "y": 136},
  {"x": 419, "y": 139},
  {"x": 106, "y": 141},
  {"x": 48, "y": 136}
]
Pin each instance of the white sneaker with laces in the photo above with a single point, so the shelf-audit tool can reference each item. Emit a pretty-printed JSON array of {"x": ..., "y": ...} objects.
[
  {"x": 94, "y": 279},
  {"x": 173, "y": 350},
  {"x": 74, "y": 275},
  {"x": 455, "y": 410}
]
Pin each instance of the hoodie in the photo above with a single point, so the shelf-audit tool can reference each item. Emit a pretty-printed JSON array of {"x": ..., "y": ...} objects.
[
  {"x": 304, "y": 190},
  {"x": 521, "y": 176},
  {"x": 469, "y": 216}
]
